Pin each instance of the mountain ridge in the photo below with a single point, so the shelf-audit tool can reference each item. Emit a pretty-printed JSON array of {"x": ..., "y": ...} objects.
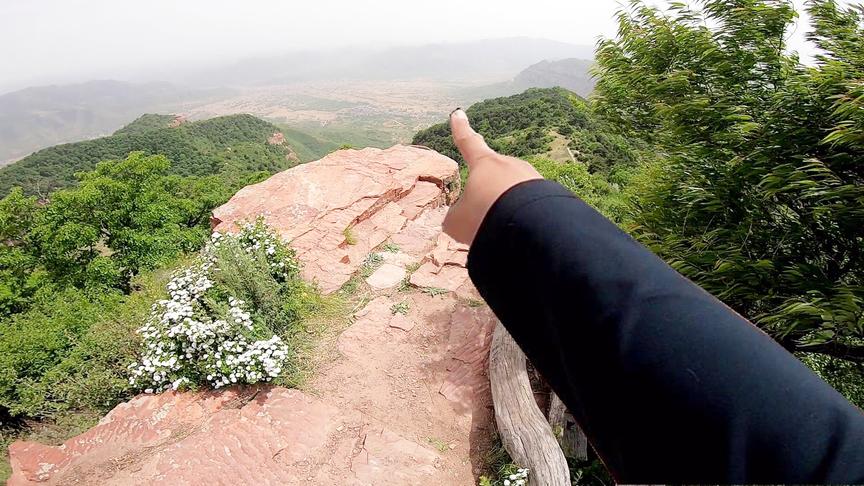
[
  {"x": 572, "y": 74},
  {"x": 233, "y": 142},
  {"x": 41, "y": 116},
  {"x": 457, "y": 61}
]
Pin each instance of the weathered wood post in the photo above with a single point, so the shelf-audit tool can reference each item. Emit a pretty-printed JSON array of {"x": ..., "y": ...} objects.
[{"x": 525, "y": 432}]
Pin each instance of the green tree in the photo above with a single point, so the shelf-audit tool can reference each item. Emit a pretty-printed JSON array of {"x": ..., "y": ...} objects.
[
  {"x": 594, "y": 189},
  {"x": 758, "y": 194},
  {"x": 17, "y": 281},
  {"x": 124, "y": 216}
]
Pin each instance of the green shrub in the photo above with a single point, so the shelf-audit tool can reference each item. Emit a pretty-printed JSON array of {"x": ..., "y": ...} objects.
[
  {"x": 124, "y": 217},
  {"x": 592, "y": 188},
  {"x": 32, "y": 344},
  {"x": 70, "y": 351}
]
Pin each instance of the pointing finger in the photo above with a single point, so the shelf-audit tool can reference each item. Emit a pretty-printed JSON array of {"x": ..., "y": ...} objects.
[{"x": 470, "y": 143}]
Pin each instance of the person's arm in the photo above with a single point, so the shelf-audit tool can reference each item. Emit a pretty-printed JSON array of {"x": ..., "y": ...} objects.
[{"x": 669, "y": 384}]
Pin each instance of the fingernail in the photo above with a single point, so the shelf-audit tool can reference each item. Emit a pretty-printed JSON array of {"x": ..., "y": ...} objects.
[{"x": 458, "y": 113}]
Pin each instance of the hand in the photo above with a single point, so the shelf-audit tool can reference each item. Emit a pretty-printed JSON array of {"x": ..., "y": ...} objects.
[{"x": 490, "y": 174}]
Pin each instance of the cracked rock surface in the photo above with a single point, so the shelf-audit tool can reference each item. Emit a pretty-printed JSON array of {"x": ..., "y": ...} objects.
[
  {"x": 406, "y": 399},
  {"x": 334, "y": 211}
]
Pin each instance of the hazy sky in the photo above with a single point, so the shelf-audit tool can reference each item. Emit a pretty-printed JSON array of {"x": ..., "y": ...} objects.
[{"x": 56, "y": 41}]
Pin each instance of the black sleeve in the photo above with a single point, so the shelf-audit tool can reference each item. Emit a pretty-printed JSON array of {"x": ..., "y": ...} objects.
[{"x": 669, "y": 384}]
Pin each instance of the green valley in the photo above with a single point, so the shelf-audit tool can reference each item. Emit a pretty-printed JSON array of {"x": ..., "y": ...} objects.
[{"x": 312, "y": 141}]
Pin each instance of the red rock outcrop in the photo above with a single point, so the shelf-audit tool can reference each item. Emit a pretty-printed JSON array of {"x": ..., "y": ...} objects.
[
  {"x": 336, "y": 210},
  {"x": 406, "y": 400},
  {"x": 177, "y": 121},
  {"x": 277, "y": 138}
]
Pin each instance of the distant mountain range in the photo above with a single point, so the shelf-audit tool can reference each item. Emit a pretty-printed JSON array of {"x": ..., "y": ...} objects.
[
  {"x": 572, "y": 74},
  {"x": 477, "y": 62},
  {"x": 33, "y": 118}
]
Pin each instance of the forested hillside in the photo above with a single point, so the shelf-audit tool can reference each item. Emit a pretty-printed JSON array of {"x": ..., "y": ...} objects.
[
  {"x": 146, "y": 122},
  {"x": 229, "y": 144},
  {"x": 553, "y": 122},
  {"x": 43, "y": 116}
]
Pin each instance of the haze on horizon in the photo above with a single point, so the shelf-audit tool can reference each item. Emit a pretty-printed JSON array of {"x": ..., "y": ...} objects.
[{"x": 64, "y": 41}]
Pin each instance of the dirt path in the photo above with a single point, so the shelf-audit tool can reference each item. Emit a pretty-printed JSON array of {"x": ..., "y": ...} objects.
[{"x": 414, "y": 365}]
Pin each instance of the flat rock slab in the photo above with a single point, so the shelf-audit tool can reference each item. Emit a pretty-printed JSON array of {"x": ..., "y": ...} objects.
[
  {"x": 400, "y": 321},
  {"x": 334, "y": 211},
  {"x": 257, "y": 436},
  {"x": 386, "y": 276},
  {"x": 399, "y": 259},
  {"x": 423, "y": 373}
]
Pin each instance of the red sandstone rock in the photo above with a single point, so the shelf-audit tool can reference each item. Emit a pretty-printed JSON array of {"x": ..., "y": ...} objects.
[
  {"x": 447, "y": 277},
  {"x": 334, "y": 211},
  {"x": 400, "y": 259},
  {"x": 386, "y": 276},
  {"x": 177, "y": 121},
  {"x": 467, "y": 354},
  {"x": 259, "y": 436},
  {"x": 400, "y": 321},
  {"x": 253, "y": 436},
  {"x": 276, "y": 139}
]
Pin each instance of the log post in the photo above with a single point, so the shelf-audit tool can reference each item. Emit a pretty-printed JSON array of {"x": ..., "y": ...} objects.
[
  {"x": 573, "y": 442},
  {"x": 525, "y": 432}
]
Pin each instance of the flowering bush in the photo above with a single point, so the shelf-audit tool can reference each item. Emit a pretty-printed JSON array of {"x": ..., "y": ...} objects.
[
  {"x": 518, "y": 478},
  {"x": 258, "y": 236},
  {"x": 206, "y": 334},
  {"x": 510, "y": 475}
]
